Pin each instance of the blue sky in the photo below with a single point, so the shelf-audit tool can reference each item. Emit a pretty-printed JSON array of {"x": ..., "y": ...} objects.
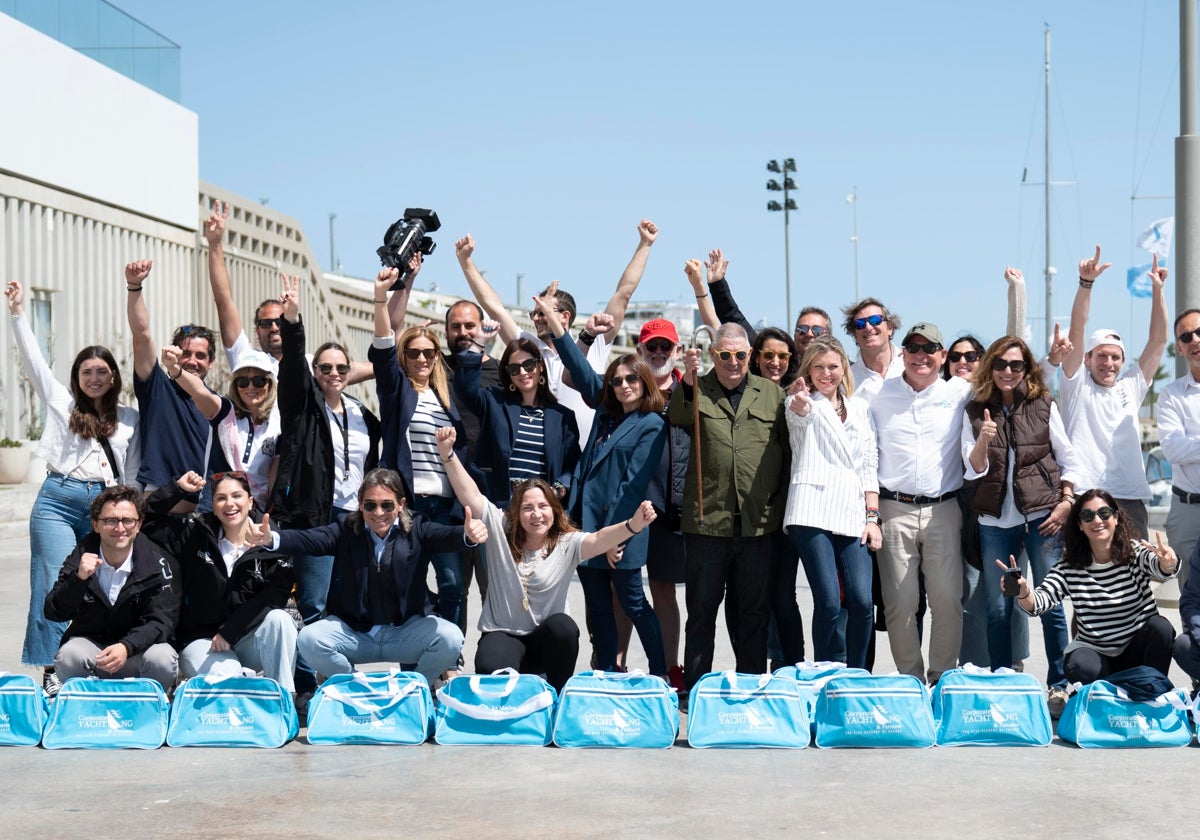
[{"x": 548, "y": 130}]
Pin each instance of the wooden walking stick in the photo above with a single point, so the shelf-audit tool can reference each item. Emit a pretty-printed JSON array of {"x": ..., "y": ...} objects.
[{"x": 712, "y": 337}]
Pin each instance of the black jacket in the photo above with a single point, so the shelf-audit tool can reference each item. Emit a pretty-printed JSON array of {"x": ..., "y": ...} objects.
[
  {"x": 354, "y": 558},
  {"x": 145, "y": 612},
  {"x": 215, "y": 601},
  {"x": 302, "y": 495}
]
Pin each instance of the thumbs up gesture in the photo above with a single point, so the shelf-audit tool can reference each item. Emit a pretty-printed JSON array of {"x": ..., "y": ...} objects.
[
  {"x": 474, "y": 529},
  {"x": 987, "y": 431}
]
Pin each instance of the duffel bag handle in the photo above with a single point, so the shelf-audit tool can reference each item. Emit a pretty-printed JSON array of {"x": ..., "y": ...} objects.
[
  {"x": 763, "y": 681},
  {"x": 509, "y": 685},
  {"x": 617, "y": 675},
  {"x": 542, "y": 700},
  {"x": 396, "y": 695}
]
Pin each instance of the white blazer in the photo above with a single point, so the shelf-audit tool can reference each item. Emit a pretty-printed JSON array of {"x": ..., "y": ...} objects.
[{"x": 833, "y": 466}]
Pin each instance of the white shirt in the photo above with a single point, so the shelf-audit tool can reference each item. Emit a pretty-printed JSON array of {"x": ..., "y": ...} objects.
[
  {"x": 1179, "y": 430},
  {"x": 920, "y": 435},
  {"x": 867, "y": 382},
  {"x": 347, "y": 481},
  {"x": 230, "y": 553},
  {"x": 1102, "y": 424},
  {"x": 1064, "y": 454},
  {"x": 597, "y": 356},
  {"x": 112, "y": 578}
]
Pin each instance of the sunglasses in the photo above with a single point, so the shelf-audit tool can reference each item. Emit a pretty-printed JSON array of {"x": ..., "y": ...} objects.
[
  {"x": 414, "y": 353},
  {"x": 267, "y": 323},
  {"x": 1015, "y": 365},
  {"x": 659, "y": 345},
  {"x": 113, "y": 522},
  {"x": 805, "y": 329},
  {"x": 1188, "y": 337},
  {"x": 247, "y": 381},
  {"x": 972, "y": 356},
  {"x": 537, "y": 313},
  {"x": 1105, "y": 513},
  {"x": 873, "y": 320},
  {"x": 627, "y": 379},
  {"x": 726, "y": 355},
  {"x": 387, "y": 506},
  {"x": 772, "y": 355},
  {"x": 221, "y": 476},
  {"x": 927, "y": 347},
  {"x": 514, "y": 368},
  {"x": 327, "y": 368}
]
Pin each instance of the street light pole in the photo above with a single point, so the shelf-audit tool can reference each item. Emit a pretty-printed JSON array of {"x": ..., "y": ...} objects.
[
  {"x": 789, "y": 204},
  {"x": 852, "y": 200}
]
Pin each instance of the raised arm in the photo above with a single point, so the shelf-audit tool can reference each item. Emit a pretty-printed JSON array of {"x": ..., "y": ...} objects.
[
  {"x": 228, "y": 318},
  {"x": 483, "y": 291},
  {"x": 693, "y": 268},
  {"x": 1156, "y": 343},
  {"x": 632, "y": 276},
  {"x": 39, "y": 373},
  {"x": 599, "y": 542},
  {"x": 145, "y": 354},
  {"x": 465, "y": 488},
  {"x": 1089, "y": 270},
  {"x": 205, "y": 400},
  {"x": 722, "y": 296},
  {"x": 1016, "y": 301}
]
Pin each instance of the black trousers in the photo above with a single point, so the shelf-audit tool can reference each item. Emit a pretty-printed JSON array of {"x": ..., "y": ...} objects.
[
  {"x": 551, "y": 649},
  {"x": 1150, "y": 645}
]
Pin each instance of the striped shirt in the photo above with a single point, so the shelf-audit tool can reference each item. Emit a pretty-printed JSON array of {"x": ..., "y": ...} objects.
[
  {"x": 529, "y": 448},
  {"x": 1111, "y": 602},
  {"x": 429, "y": 475}
]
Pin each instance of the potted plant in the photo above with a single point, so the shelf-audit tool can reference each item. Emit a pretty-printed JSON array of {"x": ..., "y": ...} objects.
[{"x": 14, "y": 461}]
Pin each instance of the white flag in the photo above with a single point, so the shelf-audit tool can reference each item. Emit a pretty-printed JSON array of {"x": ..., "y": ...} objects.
[{"x": 1157, "y": 238}]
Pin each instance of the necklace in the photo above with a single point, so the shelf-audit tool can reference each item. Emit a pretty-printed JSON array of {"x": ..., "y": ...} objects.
[
  {"x": 525, "y": 570},
  {"x": 841, "y": 408}
]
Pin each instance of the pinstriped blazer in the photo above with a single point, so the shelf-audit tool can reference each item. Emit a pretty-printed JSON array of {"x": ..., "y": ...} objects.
[{"x": 833, "y": 466}]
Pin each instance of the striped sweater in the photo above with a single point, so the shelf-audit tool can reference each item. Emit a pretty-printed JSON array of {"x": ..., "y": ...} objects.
[{"x": 1111, "y": 602}]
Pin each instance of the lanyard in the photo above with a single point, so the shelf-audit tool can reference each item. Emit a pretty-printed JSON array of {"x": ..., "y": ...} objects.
[
  {"x": 249, "y": 441},
  {"x": 345, "y": 429}
]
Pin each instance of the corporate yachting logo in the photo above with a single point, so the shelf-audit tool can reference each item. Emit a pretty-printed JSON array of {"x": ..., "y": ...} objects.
[
  {"x": 235, "y": 717},
  {"x": 370, "y": 720},
  {"x": 1137, "y": 721},
  {"x": 111, "y": 721},
  {"x": 876, "y": 717},
  {"x": 748, "y": 719},
  {"x": 994, "y": 717},
  {"x": 614, "y": 721}
]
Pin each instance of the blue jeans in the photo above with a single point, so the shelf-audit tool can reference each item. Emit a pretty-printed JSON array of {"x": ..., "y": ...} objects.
[
  {"x": 447, "y": 565},
  {"x": 826, "y": 556},
  {"x": 60, "y": 518},
  {"x": 998, "y": 544},
  {"x": 313, "y": 582},
  {"x": 975, "y": 633},
  {"x": 334, "y": 647},
  {"x": 598, "y": 585}
]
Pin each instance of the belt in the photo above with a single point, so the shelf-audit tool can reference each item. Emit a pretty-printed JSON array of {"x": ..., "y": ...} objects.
[
  {"x": 925, "y": 500},
  {"x": 1186, "y": 498}
]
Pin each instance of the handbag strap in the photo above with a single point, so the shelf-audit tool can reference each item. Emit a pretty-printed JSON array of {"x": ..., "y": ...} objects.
[
  {"x": 396, "y": 694},
  {"x": 542, "y": 700},
  {"x": 112, "y": 460},
  {"x": 763, "y": 681},
  {"x": 509, "y": 685}
]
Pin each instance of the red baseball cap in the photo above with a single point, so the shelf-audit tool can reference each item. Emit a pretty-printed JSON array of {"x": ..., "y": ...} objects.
[{"x": 658, "y": 328}]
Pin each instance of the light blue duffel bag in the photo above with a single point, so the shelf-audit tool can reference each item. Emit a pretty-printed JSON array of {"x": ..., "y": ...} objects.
[
  {"x": 23, "y": 709},
  {"x": 874, "y": 711},
  {"x": 232, "y": 711},
  {"x": 501, "y": 708},
  {"x": 602, "y": 709},
  {"x": 810, "y": 677},
  {"x": 91, "y": 713},
  {"x": 726, "y": 709},
  {"x": 1102, "y": 715},
  {"x": 975, "y": 706},
  {"x": 386, "y": 707}
]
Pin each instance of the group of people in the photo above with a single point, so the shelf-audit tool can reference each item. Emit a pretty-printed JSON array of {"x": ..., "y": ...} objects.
[{"x": 283, "y": 527}]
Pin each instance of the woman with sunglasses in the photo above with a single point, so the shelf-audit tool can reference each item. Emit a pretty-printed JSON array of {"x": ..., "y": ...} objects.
[
  {"x": 1107, "y": 575},
  {"x": 531, "y": 558},
  {"x": 1015, "y": 444},
  {"x": 245, "y": 422},
  {"x": 414, "y": 400},
  {"x": 234, "y": 593},
  {"x": 611, "y": 480},
  {"x": 89, "y": 442},
  {"x": 524, "y": 432}
]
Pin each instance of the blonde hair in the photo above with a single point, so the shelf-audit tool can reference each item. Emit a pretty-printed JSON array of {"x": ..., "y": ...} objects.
[
  {"x": 438, "y": 381},
  {"x": 819, "y": 346},
  {"x": 261, "y": 414}
]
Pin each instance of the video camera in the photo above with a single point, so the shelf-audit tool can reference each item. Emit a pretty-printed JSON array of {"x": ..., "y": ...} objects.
[{"x": 405, "y": 238}]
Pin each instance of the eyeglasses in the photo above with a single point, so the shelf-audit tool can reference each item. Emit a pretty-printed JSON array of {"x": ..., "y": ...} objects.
[
  {"x": 114, "y": 522},
  {"x": 659, "y": 345},
  {"x": 627, "y": 379},
  {"x": 267, "y": 323},
  {"x": 327, "y": 368},
  {"x": 387, "y": 506},
  {"x": 972, "y": 356},
  {"x": 726, "y": 355},
  {"x": 928, "y": 347},
  {"x": 1015, "y": 365},
  {"x": 221, "y": 476},
  {"x": 772, "y": 355},
  {"x": 873, "y": 320},
  {"x": 257, "y": 381},
  {"x": 1188, "y": 337},
  {"x": 805, "y": 329},
  {"x": 537, "y": 313},
  {"x": 514, "y": 368},
  {"x": 414, "y": 353},
  {"x": 1105, "y": 513}
]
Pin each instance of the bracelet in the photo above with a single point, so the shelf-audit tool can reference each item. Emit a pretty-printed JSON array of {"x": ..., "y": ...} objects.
[
  {"x": 1086, "y": 284},
  {"x": 702, "y": 297},
  {"x": 586, "y": 337},
  {"x": 448, "y": 460},
  {"x": 380, "y": 301},
  {"x": 176, "y": 376},
  {"x": 629, "y": 528},
  {"x": 133, "y": 288}
]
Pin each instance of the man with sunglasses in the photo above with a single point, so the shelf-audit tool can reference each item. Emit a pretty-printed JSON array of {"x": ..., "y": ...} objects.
[
  {"x": 1179, "y": 433},
  {"x": 918, "y": 419},
  {"x": 118, "y": 589},
  {"x": 871, "y": 325},
  {"x": 173, "y": 431},
  {"x": 1100, "y": 405},
  {"x": 741, "y": 456},
  {"x": 593, "y": 340}
]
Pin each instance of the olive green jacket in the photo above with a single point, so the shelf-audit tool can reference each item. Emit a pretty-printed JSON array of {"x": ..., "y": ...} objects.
[{"x": 745, "y": 458}]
